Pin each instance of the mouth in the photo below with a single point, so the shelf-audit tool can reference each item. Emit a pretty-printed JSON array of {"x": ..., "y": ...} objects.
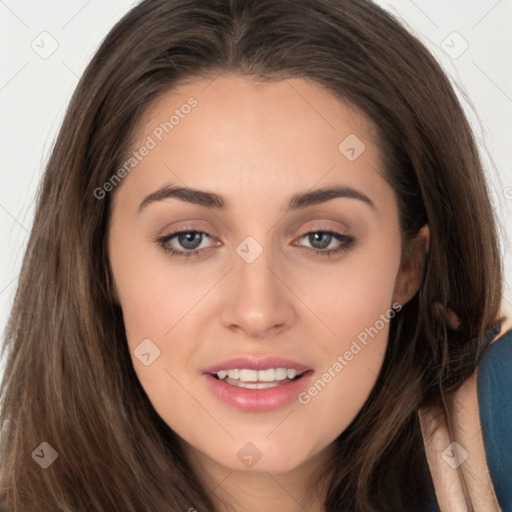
[{"x": 252, "y": 384}]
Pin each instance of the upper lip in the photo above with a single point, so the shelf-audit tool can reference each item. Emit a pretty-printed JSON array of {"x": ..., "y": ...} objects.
[{"x": 255, "y": 363}]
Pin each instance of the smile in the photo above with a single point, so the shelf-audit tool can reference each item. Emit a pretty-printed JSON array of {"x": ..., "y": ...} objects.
[
  {"x": 256, "y": 395},
  {"x": 258, "y": 379}
]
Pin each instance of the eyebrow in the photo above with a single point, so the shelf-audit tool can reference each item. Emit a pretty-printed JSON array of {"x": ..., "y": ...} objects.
[{"x": 218, "y": 202}]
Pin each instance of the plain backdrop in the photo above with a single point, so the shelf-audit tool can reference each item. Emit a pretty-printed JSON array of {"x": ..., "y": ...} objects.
[{"x": 45, "y": 46}]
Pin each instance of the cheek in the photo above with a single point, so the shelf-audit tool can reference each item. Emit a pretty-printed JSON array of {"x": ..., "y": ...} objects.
[
  {"x": 156, "y": 301},
  {"x": 153, "y": 294},
  {"x": 353, "y": 296},
  {"x": 357, "y": 308},
  {"x": 159, "y": 329}
]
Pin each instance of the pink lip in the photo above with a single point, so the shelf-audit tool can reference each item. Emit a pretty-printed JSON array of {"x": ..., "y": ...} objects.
[
  {"x": 259, "y": 400},
  {"x": 252, "y": 363}
]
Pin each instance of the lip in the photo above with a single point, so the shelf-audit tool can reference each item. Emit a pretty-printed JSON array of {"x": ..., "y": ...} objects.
[
  {"x": 253, "y": 363},
  {"x": 259, "y": 400}
]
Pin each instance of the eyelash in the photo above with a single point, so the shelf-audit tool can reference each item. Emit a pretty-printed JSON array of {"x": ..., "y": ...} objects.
[{"x": 347, "y": 243}]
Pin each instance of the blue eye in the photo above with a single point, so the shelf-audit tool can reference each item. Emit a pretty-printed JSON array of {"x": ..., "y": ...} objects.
[
  {"x": 192, "y": 239},
  {"x": 325, "y": 238},
  {"x": 187, "y": 239}
]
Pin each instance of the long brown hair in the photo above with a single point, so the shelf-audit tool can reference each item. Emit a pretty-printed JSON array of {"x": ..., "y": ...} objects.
[{"x": 69, "y": 379}]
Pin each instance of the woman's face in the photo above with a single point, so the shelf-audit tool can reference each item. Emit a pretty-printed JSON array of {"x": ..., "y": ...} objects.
[{"x": 263, "y": 287}]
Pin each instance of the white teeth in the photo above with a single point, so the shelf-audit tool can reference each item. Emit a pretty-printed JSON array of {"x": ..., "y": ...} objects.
[
  {"x": 270, "y": 375},
  {"x": 266, "y": 375},
  {"x": 291, "y": 373},
  {"x": 257, "y": 385},
  {"x": 248, "y": 375},
  {"x": 280, "y": 373}
]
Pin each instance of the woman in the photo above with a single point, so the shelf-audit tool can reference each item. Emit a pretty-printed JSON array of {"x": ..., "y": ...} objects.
[{"x": 270, "y": 368}]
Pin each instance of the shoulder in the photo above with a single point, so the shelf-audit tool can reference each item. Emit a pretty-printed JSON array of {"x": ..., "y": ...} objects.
[{"x": 494, "y": 387}]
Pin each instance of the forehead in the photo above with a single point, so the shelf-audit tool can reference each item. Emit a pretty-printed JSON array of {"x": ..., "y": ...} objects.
[
  {"x": 263, "y": 104},
  {"x": 250, "y": 138}
]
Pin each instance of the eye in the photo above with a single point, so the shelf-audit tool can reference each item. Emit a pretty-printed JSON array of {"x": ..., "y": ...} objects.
[
  {"x": 191, "y": 241},
  {"x": 320, "y": 239}
]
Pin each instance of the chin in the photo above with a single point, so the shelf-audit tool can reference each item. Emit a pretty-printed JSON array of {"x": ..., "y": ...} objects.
[{"x": 256, "y": 458}]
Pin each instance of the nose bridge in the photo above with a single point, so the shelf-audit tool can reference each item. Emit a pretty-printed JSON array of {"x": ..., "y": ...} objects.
[{"x": 259, "y": 298}]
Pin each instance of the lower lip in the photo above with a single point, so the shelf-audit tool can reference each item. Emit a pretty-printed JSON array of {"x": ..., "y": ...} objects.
[{"x": 259, "y": 400}]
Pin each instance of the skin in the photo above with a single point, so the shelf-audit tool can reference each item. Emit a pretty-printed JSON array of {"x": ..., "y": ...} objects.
[{"x": 257, "y": 144}]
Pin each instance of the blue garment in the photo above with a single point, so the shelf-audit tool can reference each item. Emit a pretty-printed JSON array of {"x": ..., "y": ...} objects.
[{"x": 495, "y": 405}]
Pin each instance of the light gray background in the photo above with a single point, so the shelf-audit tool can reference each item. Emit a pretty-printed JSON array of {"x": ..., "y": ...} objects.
[{"x": 45, "y": 46}]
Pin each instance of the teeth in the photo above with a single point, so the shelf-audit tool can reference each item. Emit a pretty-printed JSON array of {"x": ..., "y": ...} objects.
[
  {"x": 234, "y": 374},
  {"x": 266, "y": 375},
  {"x": 270, "y": 375},
  {"x": 248, "y": 375},
  {"x": 280, "y": 373},
  {"x": 256, "y": 385}
]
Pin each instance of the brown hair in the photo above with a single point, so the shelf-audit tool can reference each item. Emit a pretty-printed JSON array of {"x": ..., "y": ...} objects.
[{"x": 69, "y": 379}]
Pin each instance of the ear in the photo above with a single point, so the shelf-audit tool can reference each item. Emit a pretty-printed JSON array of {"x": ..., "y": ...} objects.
[{"x": 410, "y": 275}]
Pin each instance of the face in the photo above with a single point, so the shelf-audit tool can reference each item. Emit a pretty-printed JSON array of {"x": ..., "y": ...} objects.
[{"x": 287, "y": 289}]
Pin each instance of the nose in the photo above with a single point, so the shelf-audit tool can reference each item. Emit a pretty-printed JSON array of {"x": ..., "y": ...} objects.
[{"x": 258, "y": 301}]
